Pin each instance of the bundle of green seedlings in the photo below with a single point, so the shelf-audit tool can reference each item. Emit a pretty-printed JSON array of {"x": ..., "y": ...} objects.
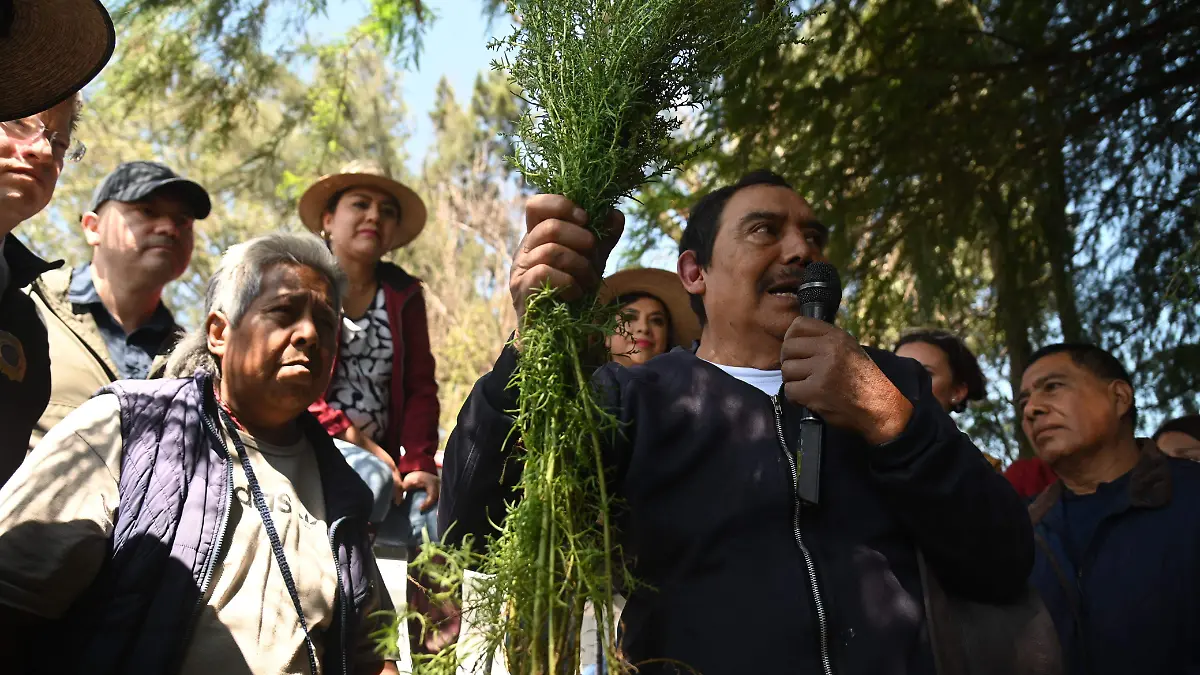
[{"x": 603, "y": 79}]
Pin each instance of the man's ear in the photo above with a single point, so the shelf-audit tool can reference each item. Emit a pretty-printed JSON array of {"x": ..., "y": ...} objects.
[
  {"x": 691, "y": 275},
  {"x": 1122, "y": 394},
  {"x": 217, "y": 327},
  {"x": 91, "y": 227}
]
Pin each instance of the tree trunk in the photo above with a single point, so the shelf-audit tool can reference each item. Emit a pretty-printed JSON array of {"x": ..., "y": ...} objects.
[
  {"x": 1060, "y": 240},
  {"x": 1011, "y": 321}
]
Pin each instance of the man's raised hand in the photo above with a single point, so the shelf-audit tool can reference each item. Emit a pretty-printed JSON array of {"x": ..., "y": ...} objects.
[
  {"x": 826, "y": 370},
  {"x": 559, "y": 250}
]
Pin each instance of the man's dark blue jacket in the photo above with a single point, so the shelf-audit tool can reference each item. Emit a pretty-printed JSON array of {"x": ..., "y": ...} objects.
[
  {"x": 1131, "y": 604},
  {"x": 711, "y": 525}
]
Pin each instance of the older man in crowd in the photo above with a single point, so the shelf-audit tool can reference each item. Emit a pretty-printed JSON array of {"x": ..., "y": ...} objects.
[
  {"x": 106, "y": 319},
  {"x": 33, "y": 151},
  {"x": 708, "y": 468},
  {"x": 1119, "y": 535},
  {"x": 205, "y": 524}
]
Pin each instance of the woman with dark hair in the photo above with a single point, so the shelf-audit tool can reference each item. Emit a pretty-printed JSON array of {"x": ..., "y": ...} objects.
[
  {"x": 655, "y": 314},
  {"x": 1180, "y": 437},
  {"x": 955, "y": 371},
  {"x": 383, "y": 395}
]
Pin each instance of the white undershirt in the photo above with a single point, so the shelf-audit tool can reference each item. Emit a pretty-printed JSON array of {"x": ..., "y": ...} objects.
[{"x": 766, "y": 381}]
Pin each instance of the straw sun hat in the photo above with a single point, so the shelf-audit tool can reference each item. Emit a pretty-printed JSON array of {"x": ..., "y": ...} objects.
[
  {"x": 663, "y": 285},
  {"x": 49, "y": 49},
  {"x": 359, "y": 174}
]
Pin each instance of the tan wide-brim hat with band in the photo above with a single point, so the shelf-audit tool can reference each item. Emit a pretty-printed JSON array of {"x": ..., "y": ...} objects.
[
  {"x": 666, "y": 287},
  {"x": 361, "y": 174},
  {"x": 50, "y": 49}
]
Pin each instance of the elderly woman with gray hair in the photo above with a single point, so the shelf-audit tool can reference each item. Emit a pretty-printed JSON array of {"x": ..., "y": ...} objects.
[{"x": 205, "y": 523}]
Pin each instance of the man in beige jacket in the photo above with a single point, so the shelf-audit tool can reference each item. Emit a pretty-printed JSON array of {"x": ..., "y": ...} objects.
[{"x": 106, "y": 320}]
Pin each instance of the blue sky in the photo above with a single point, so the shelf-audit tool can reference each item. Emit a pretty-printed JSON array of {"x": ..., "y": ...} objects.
[{"x": 455, "y": 46}]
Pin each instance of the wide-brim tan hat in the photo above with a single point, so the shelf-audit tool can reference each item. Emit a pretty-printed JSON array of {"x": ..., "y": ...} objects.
[
  {"x": 666, "y": 287},
  {"x": 365, "y": 174},
  {"x": 50, "y": 49}
]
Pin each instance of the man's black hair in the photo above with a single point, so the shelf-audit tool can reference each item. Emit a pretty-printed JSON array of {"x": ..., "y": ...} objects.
[
  {"x": 964, "y": 367},
  {"x": 1188, "y": 424},
  {"x": 1097, "y": 362},
  {"x": 701, "y": 232}
]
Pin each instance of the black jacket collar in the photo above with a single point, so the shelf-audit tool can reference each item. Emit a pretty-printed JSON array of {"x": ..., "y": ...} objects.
[{"x": 23, "y": 265}]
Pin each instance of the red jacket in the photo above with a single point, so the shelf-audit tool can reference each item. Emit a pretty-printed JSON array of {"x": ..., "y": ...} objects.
[
  {"x": 413, "y": 412},
  {"x": 1030, "y": 476}
]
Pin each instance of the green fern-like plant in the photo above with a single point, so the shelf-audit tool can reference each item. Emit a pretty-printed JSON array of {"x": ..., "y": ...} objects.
[{"x": 602, "y": 78}]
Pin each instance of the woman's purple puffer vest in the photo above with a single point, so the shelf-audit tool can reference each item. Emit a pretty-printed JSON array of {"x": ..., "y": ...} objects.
[{"x": 175, "y": 488}]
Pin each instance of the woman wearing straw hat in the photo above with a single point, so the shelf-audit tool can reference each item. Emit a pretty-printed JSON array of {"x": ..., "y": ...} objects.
[
  {"x": 655, "y": 312},
  {"x": 383, "y": 396}
]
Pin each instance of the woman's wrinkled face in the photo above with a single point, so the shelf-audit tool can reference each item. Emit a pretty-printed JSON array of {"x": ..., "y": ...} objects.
[
  {"x": 361, "y": 224},
  {"x": 280, "y": 355},
  {"x": 644, "y": 333}
]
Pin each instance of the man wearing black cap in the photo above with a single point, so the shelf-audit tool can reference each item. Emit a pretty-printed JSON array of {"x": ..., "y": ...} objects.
[{"x": 106, "y": 319}]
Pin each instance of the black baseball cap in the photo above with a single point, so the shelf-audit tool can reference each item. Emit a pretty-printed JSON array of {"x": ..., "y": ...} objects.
[{"x": 134, "y": 181}]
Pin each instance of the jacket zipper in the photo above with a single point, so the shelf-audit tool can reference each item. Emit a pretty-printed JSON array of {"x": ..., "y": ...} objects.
[
  {"x": 211, "y": 566},
  {"x": 337, "y": 565},
  {"x": 822, "y": 622}
]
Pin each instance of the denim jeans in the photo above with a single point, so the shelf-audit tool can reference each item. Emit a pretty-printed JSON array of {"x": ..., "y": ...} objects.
[
  {"x": 406, "y": 525},
  {"x": 402, "y": 526},
  {"x": 375, "y": 473}
]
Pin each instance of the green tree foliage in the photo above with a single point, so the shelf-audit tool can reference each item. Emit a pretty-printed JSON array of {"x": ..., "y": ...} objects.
[
  {"x": 257, "y": 169},
  {"x": 1016, "y": 172},
  {"x": 216, "y": 59},
  {"x": 474, "y": 228},
  {"x": 601, "y": 78}
]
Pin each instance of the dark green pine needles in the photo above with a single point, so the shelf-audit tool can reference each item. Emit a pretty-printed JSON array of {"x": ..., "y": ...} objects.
[{"x": 602, "y": 78}]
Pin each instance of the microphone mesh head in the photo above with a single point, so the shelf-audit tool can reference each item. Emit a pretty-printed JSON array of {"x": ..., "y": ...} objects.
[{"x": 828, "y": 290}]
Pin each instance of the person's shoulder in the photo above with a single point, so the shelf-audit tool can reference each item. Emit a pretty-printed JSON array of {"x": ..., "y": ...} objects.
[
  {"x": 396, "y": 277},
  {"x": 53, "y": 286},
  {"x": 675, "y": 370},
  {"x": 1186, "y": 475},
  {"x": 96, "y": 422}
]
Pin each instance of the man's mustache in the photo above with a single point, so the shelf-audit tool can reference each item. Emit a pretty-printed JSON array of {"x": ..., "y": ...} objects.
[
  {"x": 164, "y": 242},
  {"x": 792, "y": 277}
]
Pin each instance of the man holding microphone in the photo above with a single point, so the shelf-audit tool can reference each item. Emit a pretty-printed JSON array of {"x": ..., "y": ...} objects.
[{"x": 837, "y": 578}]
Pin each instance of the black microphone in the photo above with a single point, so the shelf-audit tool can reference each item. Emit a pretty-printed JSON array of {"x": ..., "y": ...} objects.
[{"x": 820, "y": 294}]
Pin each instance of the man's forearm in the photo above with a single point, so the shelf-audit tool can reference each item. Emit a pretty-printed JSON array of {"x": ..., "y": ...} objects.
[
  {"x": 353, "y": 435},
  {"x": 971, "y": 525},
  {"x": 477, "y": 474}
]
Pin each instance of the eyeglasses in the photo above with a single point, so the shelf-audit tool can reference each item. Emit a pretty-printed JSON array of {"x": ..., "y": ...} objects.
[{"x": 61, "y": 145}]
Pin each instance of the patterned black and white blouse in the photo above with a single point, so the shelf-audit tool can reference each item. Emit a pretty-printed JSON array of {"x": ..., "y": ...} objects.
[{"x": 362, "y": 381}]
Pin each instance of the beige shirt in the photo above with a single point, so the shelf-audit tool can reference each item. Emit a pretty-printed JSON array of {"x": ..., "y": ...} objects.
[{"x": 57, "y": 514}]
